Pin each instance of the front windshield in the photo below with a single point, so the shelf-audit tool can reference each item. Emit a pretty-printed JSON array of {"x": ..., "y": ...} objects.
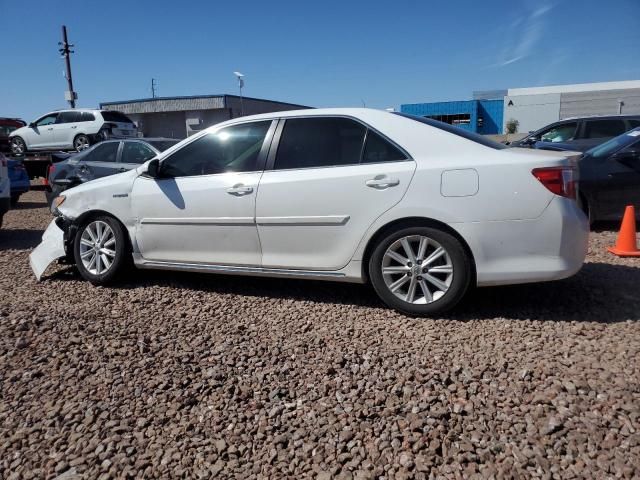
[{"x": 615, "y": 144}]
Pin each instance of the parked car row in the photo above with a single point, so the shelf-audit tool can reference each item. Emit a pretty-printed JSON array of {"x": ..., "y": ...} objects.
[
  {"x": 5, "y": 188},
  {"x": 106, "y": 158},
  {"x": 579, "y": 134},
  {"x": 75, "y": 129}
]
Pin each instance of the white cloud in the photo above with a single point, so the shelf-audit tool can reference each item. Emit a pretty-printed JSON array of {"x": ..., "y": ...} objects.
[{"x": 522, "y": 35}]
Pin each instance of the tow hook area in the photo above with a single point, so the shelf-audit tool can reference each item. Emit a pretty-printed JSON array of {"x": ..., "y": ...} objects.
[{"x": 69, "y": 229}]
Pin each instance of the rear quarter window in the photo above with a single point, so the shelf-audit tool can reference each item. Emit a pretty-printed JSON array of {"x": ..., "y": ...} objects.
[
  {"x": 474, "y": 137},
  {"x": 118, "y": 117}
]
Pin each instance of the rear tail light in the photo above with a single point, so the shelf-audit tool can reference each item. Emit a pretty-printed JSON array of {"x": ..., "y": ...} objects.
[
  {"x": 50, "y": 171},
  {"x": 559, "y": 180}
]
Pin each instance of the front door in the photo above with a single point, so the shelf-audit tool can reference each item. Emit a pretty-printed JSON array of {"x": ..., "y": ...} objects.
[
  {"x": 201, "y": 208},
  {"x": 331, "y": 178},
  {"x": 41, "y": 135}
]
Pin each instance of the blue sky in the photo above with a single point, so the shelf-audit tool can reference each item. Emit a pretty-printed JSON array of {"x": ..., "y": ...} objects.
[{"x": 318, "y": 53}]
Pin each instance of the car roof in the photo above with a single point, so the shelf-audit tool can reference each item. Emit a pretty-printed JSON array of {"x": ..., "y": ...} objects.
[
  {"x": 359, "y": 113},
  {"x": 602, "y": 117}
]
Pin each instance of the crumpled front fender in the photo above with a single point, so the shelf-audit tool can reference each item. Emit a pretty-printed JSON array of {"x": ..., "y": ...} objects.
[{"x": 50, "y": 249}]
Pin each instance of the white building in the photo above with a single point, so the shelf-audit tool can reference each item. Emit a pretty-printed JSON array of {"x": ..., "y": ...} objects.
[{"x": 538, "y": 106}]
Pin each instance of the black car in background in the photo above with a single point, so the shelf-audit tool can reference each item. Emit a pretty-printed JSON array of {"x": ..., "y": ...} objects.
[
  {"x": 105, "y": 158},
  {"x": 609, "y": 177},
  {"x": 579, "y": 134}
]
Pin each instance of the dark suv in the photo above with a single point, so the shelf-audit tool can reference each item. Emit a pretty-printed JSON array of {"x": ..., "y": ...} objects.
[
  {"x": 579, "y": 134},
  {"x": 8, "y": 125}
]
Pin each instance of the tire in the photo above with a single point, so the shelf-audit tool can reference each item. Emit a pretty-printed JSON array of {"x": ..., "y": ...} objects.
[
  {"x": 583, "y": 203},
  {"x": 18, "y": 147},
  {"x": 81, "y": 142},
  {"x": 112, "y": 238},
  {"x": 14, "y": 200},
  {"x": 447, "y": 276}
]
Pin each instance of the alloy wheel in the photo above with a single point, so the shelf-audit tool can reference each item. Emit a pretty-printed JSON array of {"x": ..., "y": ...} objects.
[
  {"x": 81, "y": 143},
  {"x": 97, "y": 247},
  {"x": 417, "y": 269},
  {"x": 17, "y": 147}
]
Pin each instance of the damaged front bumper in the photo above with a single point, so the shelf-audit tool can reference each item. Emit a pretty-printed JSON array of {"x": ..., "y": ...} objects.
[{"x": 54, "y": 245}]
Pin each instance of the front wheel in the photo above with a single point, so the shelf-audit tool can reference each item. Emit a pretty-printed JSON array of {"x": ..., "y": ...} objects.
[
  {"x": 100, "y": 249},
  {"x": 420, "y": 270},
  {"x": 18, "y": 147}
]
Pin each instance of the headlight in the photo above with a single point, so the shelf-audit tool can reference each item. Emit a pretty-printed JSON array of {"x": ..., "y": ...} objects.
[{"x": 59, "y": 200}]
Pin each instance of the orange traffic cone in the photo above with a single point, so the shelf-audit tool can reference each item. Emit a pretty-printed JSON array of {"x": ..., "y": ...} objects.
[{"x": 626, "y": 245}]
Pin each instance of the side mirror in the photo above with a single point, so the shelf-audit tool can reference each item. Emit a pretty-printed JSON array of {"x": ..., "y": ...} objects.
[
  {"x": 153, "y": 168},
  {"x": 32, "y": 125}
]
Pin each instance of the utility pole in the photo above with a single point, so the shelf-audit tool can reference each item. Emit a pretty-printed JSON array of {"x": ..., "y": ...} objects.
[
  {"x": 65, "y": 50},
  {"x": 153, "y": 88}
]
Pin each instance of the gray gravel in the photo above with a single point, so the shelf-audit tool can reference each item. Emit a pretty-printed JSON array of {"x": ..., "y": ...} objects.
[{"x": 192, "y": 376}]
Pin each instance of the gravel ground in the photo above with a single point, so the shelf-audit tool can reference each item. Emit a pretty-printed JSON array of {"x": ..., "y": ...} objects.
[{"x": 193, "y": 376}]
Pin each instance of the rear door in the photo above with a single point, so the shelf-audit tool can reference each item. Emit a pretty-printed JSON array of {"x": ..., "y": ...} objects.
[
  {"x": 65, "y": 128},
  {"x": 597, "y": 131},
  {"x": 101, "y": 161},
  {"x": 328, "y": 179}
]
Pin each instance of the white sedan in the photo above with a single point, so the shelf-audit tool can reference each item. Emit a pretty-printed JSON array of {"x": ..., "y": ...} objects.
[{"x": 420, "y": 209}]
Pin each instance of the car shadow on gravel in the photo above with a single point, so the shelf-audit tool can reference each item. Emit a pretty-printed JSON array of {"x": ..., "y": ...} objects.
[
  {"x": 601, "y": 292},
  {"x": 29, "y": 205},
  {"x": 19, "y": 239}
]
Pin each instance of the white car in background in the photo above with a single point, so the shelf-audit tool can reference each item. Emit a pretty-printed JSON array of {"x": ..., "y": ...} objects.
[
  {"x": 5, "y": 187},
  {"x": 75, "y": 129},
  {"x": 420, "y": 209}
]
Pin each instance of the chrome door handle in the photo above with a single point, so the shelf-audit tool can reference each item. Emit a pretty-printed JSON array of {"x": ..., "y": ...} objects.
[
  {"x": 50, "y": 128},
  {"x": 381, "y": 182},
  {"x": 239, "y": 190}
]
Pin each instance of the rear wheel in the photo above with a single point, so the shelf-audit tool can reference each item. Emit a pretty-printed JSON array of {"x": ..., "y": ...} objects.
[
  {"x": 100, "y": 249},
  {"x": 18, "y": 147},
  {"x": 81, "y": 142},
  {"x": 420, "y": 270}
]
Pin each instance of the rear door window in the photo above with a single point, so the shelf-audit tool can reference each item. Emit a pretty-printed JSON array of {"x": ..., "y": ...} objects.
[
  {"x": 68, "y": 117},
  {"x": 118, "y": 117},
  {"x": 604, "y": 128},
  {"x": 87, "y": 117},
  {"x": 319, "y": 142},
  {"x": 104, "y": 152}
]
